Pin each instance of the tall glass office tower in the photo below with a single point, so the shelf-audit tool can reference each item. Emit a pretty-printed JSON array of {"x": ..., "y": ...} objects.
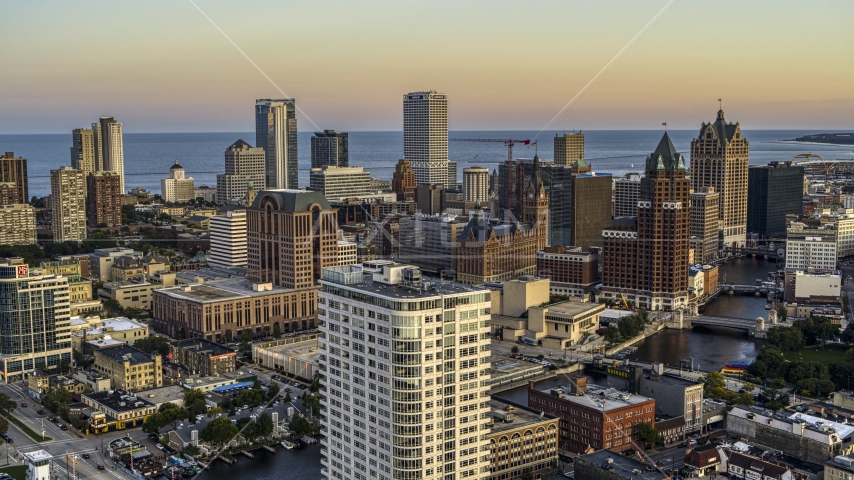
[{"x": 276, "y": 133}]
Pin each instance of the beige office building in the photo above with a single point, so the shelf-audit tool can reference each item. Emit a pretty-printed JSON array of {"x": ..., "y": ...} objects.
[
  {"x": 244, "y": 164},
  {"x": 569, "y": 148},
  {"x": 68, "y": 204},
  {"x": 719, "y": 158},
  {"x": 522, "y": 440},
  {"x": 338, "y": 183},
  {"x": 17, "y": 224},
  {"x": 705, "y": 224},
  {"x": 228, "y": 239},
  {"x": 129, "y": 369}
]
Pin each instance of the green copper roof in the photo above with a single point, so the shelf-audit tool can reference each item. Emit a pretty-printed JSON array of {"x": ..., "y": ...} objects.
[
  {"x": 665, "y": 156},
  {"x": 293, "y": 200}
]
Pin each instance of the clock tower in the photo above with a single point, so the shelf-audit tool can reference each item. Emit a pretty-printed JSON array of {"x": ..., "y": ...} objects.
[{"x": 535, "y": 206}]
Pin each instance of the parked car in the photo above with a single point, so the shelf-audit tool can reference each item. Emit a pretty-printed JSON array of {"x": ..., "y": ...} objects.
[
  {"x": 63, "y": 427},
  {"x": 159, "y": 446}
]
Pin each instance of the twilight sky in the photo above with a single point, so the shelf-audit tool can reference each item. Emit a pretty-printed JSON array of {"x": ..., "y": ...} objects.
[{"x": 160, "y": 66}]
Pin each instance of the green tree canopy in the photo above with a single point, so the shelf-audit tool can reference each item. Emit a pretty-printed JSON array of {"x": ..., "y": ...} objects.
[
  {"x": 6, "y": 404},
  {"x": 647, "y": 433},
  {"x": 219, "y": 431}
]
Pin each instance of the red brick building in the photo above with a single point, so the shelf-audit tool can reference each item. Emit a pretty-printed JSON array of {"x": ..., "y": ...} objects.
[
  {"x": 570, "y": 271},
  {"x": 594, "y": 417}
]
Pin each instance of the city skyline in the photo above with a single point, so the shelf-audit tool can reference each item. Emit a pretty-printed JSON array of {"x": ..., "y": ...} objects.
[{"x": 162, "y": 80}]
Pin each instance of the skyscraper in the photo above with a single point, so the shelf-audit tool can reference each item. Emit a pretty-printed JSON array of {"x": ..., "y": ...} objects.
[
  {"x": 276, "y": 133},
  {"x": 292, "y": 235},
  {"x": 83, "y": 150},
  {"x": 626, "y": 194},
  {"x": 329, "y": 148},
  {"x": 103, "y": 199},
  {"x": 476, "y": 184},
  {"x": 407, "y": 392},
  {"x": 646, "y": 258},
  {"x": 14, "y": 170},
  {"x": 34, "y": 323},
  {"x": 403, "y": 180},
  {"x": 425, "y": 136},
  {"x": 109, "y": 148},
  {"x": 719, "y": 158},
  {"x": 704, "y": 224},
  {"x": 568, "y": 148},
  {"x": 773, "y": 191},
  {"x": 68, "y": 204}
]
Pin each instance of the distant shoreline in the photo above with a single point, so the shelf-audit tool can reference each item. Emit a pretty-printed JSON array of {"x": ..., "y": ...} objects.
[{"x": 827, "y": 138}]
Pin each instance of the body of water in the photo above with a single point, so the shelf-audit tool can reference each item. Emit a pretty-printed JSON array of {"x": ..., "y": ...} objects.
[
  {"x": 148, "y": 156},
  {"x": 302, "y": 464}
]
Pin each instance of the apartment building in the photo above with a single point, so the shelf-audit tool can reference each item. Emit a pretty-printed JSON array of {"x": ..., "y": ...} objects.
[
  {"x": 17, "y": 224},
  {"x": 68, "y": 205},
  {"x": 704, "y": 224},
  {"x": 521, "y": 440},
  {"x": 228, "y": 239},
  {"x": 338, "y": 183},
  {"x": 404, "y": 365},
  {"x": 34, "y": 323},
  {"x": 570, "y": 270}
]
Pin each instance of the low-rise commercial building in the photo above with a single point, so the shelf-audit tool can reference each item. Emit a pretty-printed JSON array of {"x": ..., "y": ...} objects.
[
  {"x": 840, "y": 468},
  {"x": 203, "y": 357},
  {"x": 94, "y": 380},
  {"x": 594, "y": 417},
  {"x": 521, "y": 441},
  {"x": 128, "y": 368},
  {"x": 569, "y": 270},
  {"x": 221, "y": 312},
  {"x": 804, "y": 436},
  {"x": 101, "y": 262},
  {"x": 116, "y": 410},
  {"x": 298, "y": 356},
  {"x": 128, "y": 294},
  {"x": 606, "y": 465},
  {"x": 121, "y": 329}
]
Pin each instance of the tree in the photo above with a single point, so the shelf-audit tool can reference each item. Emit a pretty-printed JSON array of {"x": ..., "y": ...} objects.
[
  {"x": 56, "y": 400},
  {"x": 194, "y": 402},
  {"x": 214, "y": 411},
  {"x": 133, "y": 313},
  {"x": 113, "y": 307},
  {"x": 288, "y": 398},
  {"x": 612, "y": 334},
  {"x": 4, "y": 425},
  {"x": 219, "y": 431},
  {"x": 154, "y": 423},
  {"x": 846, "y": 304},
  {"x": 277, "y": 331},
  {"x": 647, "y": 433},
  {"x": 173, "y": 414},
  {"x": 265, "y": 425},
  {"x": 782, "y": 313},
  {"x": 299, "y": 426},
  {"x": 272, "y": 391},
  {"x": 527, "y": 476},
  {"x": 713, "y": 380},
  {"x": 245, "y": 341},
  {"x": 294, "y": 326},
  {"x": 153, "y": 344},
  {"x": 786, "y": 338},
  {"x": 192, "y": 450},
  {"x": 63, "y": 367},
  {"x": 515, "y": 349},
  {"x": 228, "y": 338}
]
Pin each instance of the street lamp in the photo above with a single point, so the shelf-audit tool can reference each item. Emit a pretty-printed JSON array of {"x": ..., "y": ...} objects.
[{"x": 692, "y": 363}]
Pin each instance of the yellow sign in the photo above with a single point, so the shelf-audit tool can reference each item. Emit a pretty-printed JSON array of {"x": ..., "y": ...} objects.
[{"x": 619, "y": 373}]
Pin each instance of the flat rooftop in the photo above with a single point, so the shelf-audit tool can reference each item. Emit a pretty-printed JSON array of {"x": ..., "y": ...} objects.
[
  {"x": 37, "y": 455},
  {"x": 365, "y": 283},
  {"x": 521, "y": 415},
  {"x": 121, "y": 323},
  {"x": 224, "y": 290},
  {"x": 306, "y": 351},
  {"x": 501, "y": 366},
  {"x": 628, "y": 467},
  {"x": 119, "y": 400},
  {"x": 598, "y": 398},
  {"x": 157, "y": 396},
  {"x": 573, "y": 308},
  {"x": 199, "y": 345},
  {"x": 118, "y": 354}
]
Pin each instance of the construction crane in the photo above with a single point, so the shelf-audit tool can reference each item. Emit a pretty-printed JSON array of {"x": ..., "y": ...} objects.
[{"x": 508, "y": 143}]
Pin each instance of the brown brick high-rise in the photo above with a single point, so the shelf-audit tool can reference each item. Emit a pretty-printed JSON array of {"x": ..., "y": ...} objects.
[
  {"x": 291, "y": 236},
  {"x": 103, "y": 199},
  {"x": 646, "y": 259},
  {"x": 14, "y": 170}
]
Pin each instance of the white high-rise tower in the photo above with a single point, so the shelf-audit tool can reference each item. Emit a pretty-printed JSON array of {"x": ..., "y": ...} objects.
[
  {"x": 425, "y": 136},
  {"x": 406, "y": 369},
  {"x": 109, "y": 148}
]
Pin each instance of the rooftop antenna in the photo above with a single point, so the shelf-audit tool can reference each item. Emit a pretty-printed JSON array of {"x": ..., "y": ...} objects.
[{"x": 720, "y": 104}]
